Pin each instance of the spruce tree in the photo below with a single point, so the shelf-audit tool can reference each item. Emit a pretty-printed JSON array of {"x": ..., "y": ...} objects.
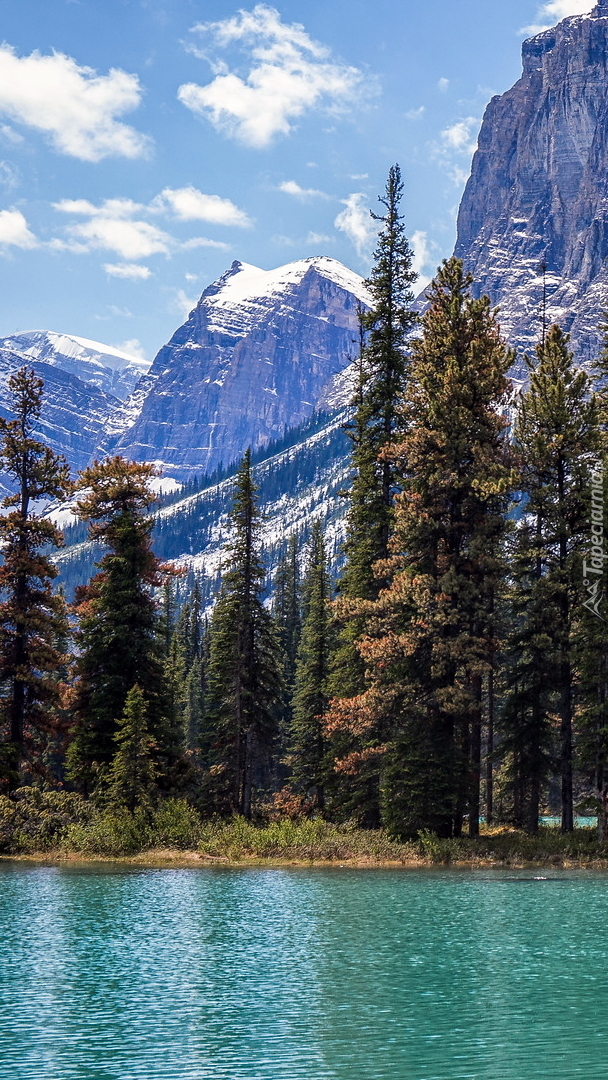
[
  {"x": 382, "y": 376},
  {"x": 286, "y": 608},
  {"x": 132, "y": 775},
  {"x": 32, "y": 619},
  {"x": 244, "y": 679},
  {"x": 308, "y": 751},
  {"x": 557, "y": 436},
  {"x": 429, "y": 636},
  {"x": 382, "y": 369},
  {"x": 118, "y": 636}
]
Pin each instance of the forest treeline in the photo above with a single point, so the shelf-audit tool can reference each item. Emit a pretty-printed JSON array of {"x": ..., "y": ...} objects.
[{"x": 458, "y": 673}]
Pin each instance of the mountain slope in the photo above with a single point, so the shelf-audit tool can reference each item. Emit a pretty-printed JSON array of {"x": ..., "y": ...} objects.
[
  {"x": 296, "y": 485},
  {"x": 538, "y": 191},
  {"x": 111, "y": 370},
  {"x": 256, "y": 355}
]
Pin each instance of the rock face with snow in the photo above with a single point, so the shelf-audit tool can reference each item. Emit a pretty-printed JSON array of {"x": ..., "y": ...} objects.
[
  {"x": 257, "y": 354},
  {"x": 538, "y": 191},
  {"x": 84, "y": 382},
  {"x": 111, "y": 370}
]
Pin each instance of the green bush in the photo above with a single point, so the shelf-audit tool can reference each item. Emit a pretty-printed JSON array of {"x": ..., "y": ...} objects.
[
  {"x": 34, "y": 820},
  {"x": 176, "y": 824},
  {"x": 110, "y": 833}
]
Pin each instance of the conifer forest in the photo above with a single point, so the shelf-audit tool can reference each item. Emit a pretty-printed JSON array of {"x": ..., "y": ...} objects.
[{"x": 454, "y": 675}]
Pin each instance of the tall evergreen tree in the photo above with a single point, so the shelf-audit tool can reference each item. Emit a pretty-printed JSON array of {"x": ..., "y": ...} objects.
[
  {"x": 382, "y": 377},
  {"x": 244, "y": 680},
  {"x": 557, "y": 436},
  {"x": 308, "y": 751},
  {"x": 286, "y": 608},
  {"x": 131, "y": 780},
  {"x": 32, "y": 618},
  {"x": 429, "y": 638},
  {"x": 119, "y": 640}
]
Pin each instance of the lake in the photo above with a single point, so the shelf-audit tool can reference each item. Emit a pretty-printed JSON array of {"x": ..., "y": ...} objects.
[{"x": 114, "y": 973}]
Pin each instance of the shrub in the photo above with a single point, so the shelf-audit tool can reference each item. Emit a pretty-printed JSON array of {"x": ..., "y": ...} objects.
[{"x": 35, "y": 820}]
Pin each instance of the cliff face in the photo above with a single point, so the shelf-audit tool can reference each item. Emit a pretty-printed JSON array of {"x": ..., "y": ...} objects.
[
  {"x": 74, "y": 413},
  {"x": 256, "y": 355},
  {"x": 538, "y": 191}
]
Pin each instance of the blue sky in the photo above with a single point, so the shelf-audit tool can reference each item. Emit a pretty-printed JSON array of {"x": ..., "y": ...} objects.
[{"x": 146, "y": 144}]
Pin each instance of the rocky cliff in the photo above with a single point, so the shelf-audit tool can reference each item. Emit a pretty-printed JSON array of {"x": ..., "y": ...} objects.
[
  {"x": 538, "y": 191},
  {"x": 258, "y": 354},
  {"x": 84, "y": 382}
]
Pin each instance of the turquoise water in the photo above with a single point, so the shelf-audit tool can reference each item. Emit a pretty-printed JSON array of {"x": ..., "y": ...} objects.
[{"x": 114, "y": 974}]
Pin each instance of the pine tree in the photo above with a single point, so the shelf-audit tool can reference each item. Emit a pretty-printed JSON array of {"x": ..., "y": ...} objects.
[
  {"x": 429, "y": 638},
  {"x": 32, "y": 619},
  {"x": 382, "y": 377},
  {"x": 132, "y": 775},
  {"x": 118, "y": 635},
  {"x": 557, "y": 437},
  {"x": 308, "y": 749},
  {"x": 244, "y": 679},
  {"x": 286, "y": 608}
]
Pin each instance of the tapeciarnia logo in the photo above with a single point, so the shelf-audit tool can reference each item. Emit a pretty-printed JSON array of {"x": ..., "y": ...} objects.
[{"x": 594, "y": 564}]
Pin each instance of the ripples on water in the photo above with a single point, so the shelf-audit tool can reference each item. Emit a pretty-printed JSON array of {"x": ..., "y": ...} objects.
[{"x": 217, "y": 974}]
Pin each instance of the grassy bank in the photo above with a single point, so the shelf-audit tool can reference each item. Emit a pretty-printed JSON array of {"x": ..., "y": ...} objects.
[{"x": 60, "y": 825}]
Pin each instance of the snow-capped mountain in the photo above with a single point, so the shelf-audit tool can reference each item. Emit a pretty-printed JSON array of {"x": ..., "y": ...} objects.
[
  {"x": 258, "y": 353},
  {"x": 538, "y": 191},
  {"x": 84, "y": 382},
  {"x": 109, "y": 369}
]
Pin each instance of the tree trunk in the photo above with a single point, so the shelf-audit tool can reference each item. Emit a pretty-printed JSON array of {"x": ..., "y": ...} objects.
[
  {"x": 566, "y": 748},
  {"x": 490, "y": 749},
  {"x": 475, "y": 757}
]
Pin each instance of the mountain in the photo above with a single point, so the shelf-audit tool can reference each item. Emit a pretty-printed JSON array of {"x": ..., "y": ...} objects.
[
  {"x": 111, "y": 370},
  {"x": 259, "y": 353},
  {"x": 298, "y": 481},
  {"x": 538, "y": 191},
  {"x": 84, "y": 382}
]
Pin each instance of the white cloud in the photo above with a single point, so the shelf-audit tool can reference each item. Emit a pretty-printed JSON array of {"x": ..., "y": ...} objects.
[
  {"x": 128, "y": 239},
  {"x": 9, "y": 175},
  {"x": 357, "y": 223},
  {"x": 129, "y": 271},
  {"x": 9, "y": 136},
  {"x": 460, "y": 136},
  {"x": 73, "y": 105},
  {"x": 289, "y": 74},
  {"x": 291, "y": 187},
  {"x": 443, "y": 85},
  {"x": 415, "y": 114},
  {"x": 183, "y": 303},
  {"x": 423, "y": 258},
  {"x": 119, "y": 226},
  {"x": 190, "y": 204},
  {"x": 14, "y": 230},
  {"x": 318, "y": 238},
  {"x": 132, "y": 347},
  {"x": 556, "y": 10},
  {"x": 202, "y": 241}
]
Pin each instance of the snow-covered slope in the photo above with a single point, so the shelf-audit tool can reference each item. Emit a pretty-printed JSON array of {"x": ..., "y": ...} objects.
[
  {"x": 111, "y": 370},
  {"x": 257, "y": 355},
  {"x": 296, "y": 485}
]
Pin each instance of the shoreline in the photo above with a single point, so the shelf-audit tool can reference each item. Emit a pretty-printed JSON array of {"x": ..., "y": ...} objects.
[{"x": 173, "y": 858}]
